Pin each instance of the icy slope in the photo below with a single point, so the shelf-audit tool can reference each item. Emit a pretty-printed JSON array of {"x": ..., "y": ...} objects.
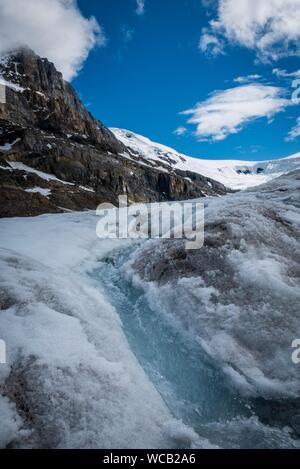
[
  {"x": 71, "y": 379},
  {"x": 193, "y": 386},
  {"x": 233, "y": 174},
  {"x": 238, "y": 296}
]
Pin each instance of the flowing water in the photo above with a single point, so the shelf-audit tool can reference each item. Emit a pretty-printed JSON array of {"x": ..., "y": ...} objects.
[{"x": 194, "y": 389}]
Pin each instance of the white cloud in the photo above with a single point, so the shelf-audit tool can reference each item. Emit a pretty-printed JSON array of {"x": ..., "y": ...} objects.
[
  {"x": 54, "y": 29},
  {"x": 294, "y": 132},
  {"x": 284, "y": 74},
  {"x": 210, "y": 44},
  {"x": 227, "y": 112},
  {"x": 247, "y": 79},
  {"x": 180, "y": 131},
  {"x": 140, "y": 7},
  {"x": 269, "y": 27}
]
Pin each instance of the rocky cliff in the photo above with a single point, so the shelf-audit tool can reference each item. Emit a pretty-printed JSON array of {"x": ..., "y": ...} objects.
[{"x": 55, "y": 156}]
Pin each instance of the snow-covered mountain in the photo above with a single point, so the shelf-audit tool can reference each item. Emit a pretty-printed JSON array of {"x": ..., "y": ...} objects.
[
  {"x": 46, "y": 129},
  {"x": 232, "y": 173}
]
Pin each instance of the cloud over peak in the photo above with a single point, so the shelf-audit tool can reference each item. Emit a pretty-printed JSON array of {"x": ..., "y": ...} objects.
[
  {"x": 269, "y": 27},
  {"x": 55, "y": 29},
  {"x": 227, "y": 112}
]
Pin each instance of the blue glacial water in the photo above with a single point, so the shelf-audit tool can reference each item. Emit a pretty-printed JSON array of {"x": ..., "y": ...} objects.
[{"x": 194, "y": 389}]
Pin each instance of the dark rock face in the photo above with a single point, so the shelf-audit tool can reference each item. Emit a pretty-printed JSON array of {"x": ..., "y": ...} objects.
[
  {"x": 49, "y": 103},
  {"x": 44, "y": 125}
]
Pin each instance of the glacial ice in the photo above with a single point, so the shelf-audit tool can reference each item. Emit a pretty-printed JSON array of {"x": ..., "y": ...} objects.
[
  {"x": 71, "y": 379},
  {"x": 239, "y": 296},
  {"x": 75, "y": 377}
]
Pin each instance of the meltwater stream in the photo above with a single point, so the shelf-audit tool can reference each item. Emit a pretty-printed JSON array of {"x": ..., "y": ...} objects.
[{"x": 193, "y": 388}]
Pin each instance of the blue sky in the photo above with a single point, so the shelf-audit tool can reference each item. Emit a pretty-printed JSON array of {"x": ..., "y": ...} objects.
[{"x": 151, "y": 69}]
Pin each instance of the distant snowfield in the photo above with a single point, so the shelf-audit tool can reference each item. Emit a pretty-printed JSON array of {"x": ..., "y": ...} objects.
[{"x": 228, "y": 172}]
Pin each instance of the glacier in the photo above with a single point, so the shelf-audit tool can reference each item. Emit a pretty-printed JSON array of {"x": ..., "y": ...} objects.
[{"x": 130, "y": 344}]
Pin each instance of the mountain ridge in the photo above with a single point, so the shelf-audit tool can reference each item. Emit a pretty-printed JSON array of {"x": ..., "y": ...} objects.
[
  {"x": 235, "y": 174},
  {"x": 45, "y": 127}
]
